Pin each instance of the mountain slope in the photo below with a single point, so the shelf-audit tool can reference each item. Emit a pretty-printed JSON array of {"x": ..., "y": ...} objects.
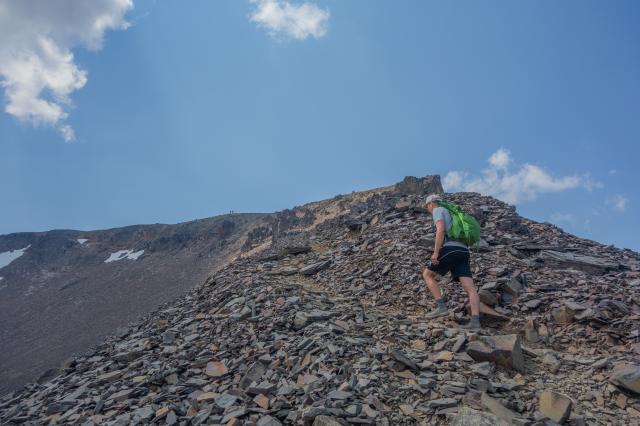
[
  {"x": 321, "y": 321},
  {"x": 69, "y": 289}
]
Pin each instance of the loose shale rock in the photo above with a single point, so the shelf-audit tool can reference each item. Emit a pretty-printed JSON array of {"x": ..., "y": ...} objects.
[
  {"x": 555, "y": 406},
  {"x": 502, "y": 350}
]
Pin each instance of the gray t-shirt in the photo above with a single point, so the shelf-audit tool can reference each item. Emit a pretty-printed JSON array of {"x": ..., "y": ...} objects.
[{"x": 440, "y": 213}]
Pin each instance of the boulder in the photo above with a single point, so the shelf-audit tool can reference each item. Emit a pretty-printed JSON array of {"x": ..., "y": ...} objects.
[
  {"x": 262, "y": 401},
  {"x": 314, "y": 268},
  {"x": 143, "y": 414},
  {"x": 303, "y": 319},
  {"x": 109, "y": 377},
  {"x": 254, "y": 374},
  {"x": 442, "y": 403},
  {"x": 403, "y": 359},
  {"x": 216, "y": 369},
  {"x": 268, "y": 421},
  {"x": 354, "y": 225},
  {"x": 225, "y": 400},
  {"x": 326, "y": 421},
  {"x": 588, "y": 264},
  {"x": 513, "y": 287},
  {"x": 402, "y": 205},
  {"x": 488, "y": 312},
  {"x": 563, "y": 315},
  {"x": 626, "y": 376},
  {"x": 469, "y": 417},
  {"x": 487, "y": 297},
  {"x": 555, "y": 406},
  {"x": 498, "y": 409},
  {"x": 533, "y": 303},
  {"x": 504, "y": 350}
]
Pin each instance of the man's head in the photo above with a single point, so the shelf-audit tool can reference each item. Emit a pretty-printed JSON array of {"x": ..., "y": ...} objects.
[{"x": 432, "y": 201}]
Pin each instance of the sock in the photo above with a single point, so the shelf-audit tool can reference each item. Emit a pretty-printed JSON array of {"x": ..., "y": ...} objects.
[
  {"x": 441, "y": 304},
  {"x": 475, "y": 319}
]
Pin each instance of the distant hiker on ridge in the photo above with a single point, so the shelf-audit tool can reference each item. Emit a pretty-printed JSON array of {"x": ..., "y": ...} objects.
[{"x": 452, "y": 255}]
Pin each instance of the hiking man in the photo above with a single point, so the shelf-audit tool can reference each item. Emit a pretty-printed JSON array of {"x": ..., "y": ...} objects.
[{"x": 449, "y": 255}]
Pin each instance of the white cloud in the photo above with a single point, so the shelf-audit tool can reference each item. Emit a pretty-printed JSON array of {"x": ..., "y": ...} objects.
[
  {"x": 618, "y": 202},
  {"x": 590, "y": 183},
  {"x": 454, "y": 179},
  {"x": 523, "y": 184},
  {"x": 284, "y": 19},
  {"x": 37, "y": 69},
  {"x": 500, "y": 159}
]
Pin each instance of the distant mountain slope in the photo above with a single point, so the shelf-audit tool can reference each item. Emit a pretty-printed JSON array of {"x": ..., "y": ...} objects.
[{"x": 66, "y": 290}]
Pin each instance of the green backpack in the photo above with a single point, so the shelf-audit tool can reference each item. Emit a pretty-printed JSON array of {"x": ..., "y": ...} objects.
[{"x": 464, "y": 227}]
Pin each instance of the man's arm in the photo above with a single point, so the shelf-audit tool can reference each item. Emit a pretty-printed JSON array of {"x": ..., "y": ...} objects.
[{"x": 439, "y": 237}]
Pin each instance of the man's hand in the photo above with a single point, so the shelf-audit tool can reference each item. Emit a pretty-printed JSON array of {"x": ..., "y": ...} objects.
[{"x": 434, "y": 258}]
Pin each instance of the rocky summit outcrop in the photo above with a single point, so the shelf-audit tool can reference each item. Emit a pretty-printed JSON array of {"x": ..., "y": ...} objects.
[{"x": 321, "y": 322}]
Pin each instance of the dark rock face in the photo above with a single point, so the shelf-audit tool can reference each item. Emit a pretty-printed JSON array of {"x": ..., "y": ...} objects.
[
  {"x": 420, "y": 186},
  {"x": 265, "y": 341}
]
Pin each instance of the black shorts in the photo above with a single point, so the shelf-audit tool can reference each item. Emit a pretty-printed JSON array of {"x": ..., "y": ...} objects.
[{"x": 453, "y": 259}]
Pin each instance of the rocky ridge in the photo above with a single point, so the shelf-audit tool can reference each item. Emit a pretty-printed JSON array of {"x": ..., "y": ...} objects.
[{"x": 322, "y": 322}]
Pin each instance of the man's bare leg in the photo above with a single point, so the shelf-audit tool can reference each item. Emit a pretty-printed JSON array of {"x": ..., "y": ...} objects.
[
  {"x": 432, "y": 285},
  {"x": 474, "y": 302},
  {"x": 474, "y": 299}
]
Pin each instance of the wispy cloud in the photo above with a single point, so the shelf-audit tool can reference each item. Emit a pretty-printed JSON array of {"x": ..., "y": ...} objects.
[
  {"x": 37, "y": 68},
  {"x": 500, "y": 159},
  {"x": 618, "y": 202},
  {"x": 283, "y": 19},
  {"x": 524, "y": 183}
]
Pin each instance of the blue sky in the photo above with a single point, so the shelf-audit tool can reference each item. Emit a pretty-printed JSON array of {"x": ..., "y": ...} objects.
[{"x": 183, "y": 110}]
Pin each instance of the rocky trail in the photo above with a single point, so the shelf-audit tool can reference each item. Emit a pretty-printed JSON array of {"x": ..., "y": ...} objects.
[{"x": 322, "y": 323}]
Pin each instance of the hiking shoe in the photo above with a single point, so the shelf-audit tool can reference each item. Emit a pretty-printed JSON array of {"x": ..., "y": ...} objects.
[
  {"x": 471, "y": 326},
  {"x": 437, "y": 313}
]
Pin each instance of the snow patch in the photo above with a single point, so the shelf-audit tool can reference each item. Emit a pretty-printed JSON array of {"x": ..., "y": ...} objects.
[
  {"x": 124, "y": 254},
  {"x": 82, "y": 240},
  {"x": 136, "y": 255},
  {"x": 9, "y": 256}
]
